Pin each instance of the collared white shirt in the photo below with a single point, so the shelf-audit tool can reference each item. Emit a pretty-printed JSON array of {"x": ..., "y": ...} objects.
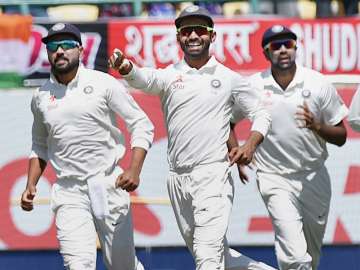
[
  {"x": 287, "y": 147},
  {"x": 354, "y": 114},
  {"x": 197, "y": 107},
  {"x": 74, "y": 124}
]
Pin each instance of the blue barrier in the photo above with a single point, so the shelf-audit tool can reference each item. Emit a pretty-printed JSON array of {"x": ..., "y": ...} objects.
[{"x": 177, "y": 258}]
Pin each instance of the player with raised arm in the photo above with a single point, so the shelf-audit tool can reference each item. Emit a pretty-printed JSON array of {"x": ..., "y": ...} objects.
[{"x": 197, "y": 95}]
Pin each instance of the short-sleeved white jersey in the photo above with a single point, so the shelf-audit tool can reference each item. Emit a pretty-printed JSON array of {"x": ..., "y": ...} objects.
[
  {"x": 287, "y": 147},
  {"x": 73, "y": 124},
  {"x": 354, "y": 114},
  {"x": 197, "y": 107}
]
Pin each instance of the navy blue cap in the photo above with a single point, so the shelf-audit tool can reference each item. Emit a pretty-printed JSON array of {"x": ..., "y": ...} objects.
[
  {"x": 63, "y": 28},
  {"x": 275, "y": 32},
  {"x": 194, "y": 11}
]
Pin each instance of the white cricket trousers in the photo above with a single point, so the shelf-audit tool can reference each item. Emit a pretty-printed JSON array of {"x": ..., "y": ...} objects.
[
  {"x": 77, "y": 226},
  {"x": 298, "y": 205},
  {"x": 202, "y": 200}
]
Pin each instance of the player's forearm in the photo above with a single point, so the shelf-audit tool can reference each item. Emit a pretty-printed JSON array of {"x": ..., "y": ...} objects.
[
  {"x": 137, "y": 159},
  {"x": 255, "y": 139},
  {"x": 36, "y": 169},
  {"x": 232, "y": 141},
  {"x": 332, "y": 134}
]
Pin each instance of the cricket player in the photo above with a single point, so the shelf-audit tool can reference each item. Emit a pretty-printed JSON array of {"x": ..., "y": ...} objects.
[
  {"x": 73, "y": 129},
  {"x": 354, "y": 111},
  {"x": 197, "y": 95},
  {"x": 307, "y": 113}
]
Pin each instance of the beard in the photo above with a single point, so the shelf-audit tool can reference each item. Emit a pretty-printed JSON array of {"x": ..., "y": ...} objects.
[
  {"x": 63, "y": 69},
  {"x": 195, "y": 54}
]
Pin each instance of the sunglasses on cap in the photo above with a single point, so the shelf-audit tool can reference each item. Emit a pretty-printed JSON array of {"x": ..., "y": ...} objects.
[
  {"x": 277, "y": 44},
  {"x": 199, "y": 30},
  {"x": 53, "y": 46}
]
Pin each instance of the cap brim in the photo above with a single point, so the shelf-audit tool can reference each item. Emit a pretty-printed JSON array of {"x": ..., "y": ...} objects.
[
  {"x": 180, "y": 19},
  {"x": 48, "y": 37}
]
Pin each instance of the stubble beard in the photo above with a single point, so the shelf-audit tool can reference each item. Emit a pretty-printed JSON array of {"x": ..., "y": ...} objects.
[{"x": 66, "y": 68}]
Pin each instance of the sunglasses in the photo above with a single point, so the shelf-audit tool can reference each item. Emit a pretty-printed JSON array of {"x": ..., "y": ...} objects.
[
  {"x": 53, "y": 46},
  {"x": 199, "y": 30},
  {"x": 277, "y": 44}
]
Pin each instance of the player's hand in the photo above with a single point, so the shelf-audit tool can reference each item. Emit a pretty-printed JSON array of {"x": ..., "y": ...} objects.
[
  {"x": 306, "y": 118},
  {"x": 118, "y": 62},
  {"x": 241, "y": 155},
  {"x": 244, "y": 178},
  {"x": 129, "y": 180},
  {"x": 27, "y": 198}
]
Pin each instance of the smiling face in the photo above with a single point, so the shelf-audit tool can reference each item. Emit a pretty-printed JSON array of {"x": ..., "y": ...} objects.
[
  {"x": 65, "y": 57},
  {"x": 281, "y": 53},
  {"x": 195, "y": 36}
]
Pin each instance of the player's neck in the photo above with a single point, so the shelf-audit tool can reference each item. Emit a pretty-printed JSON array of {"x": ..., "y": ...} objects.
[
  {"x": 196, "y": 62},
  {"x": 284, "y": 77}
]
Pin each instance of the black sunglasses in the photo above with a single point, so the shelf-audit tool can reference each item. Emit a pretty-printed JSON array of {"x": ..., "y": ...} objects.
[
  {"x": 277, "y": 44},
  {"x": 198, "y": 29}
]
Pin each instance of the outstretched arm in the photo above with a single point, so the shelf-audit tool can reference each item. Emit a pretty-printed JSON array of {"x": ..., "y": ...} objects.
[{"x": 232, "y": 143}]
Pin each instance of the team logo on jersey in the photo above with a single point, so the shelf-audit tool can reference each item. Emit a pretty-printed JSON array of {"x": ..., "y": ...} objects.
[
  {"x": 306, "y": 93},
  {"x": 215, "y": 83},
  {"x": 53, "y": 104},
  {"x": 88, "y": 89}
]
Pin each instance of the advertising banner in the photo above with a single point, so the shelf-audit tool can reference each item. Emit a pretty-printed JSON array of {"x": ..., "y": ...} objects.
[
  {"x": 154, "y": 222},
  {"x": 331, "y": 46}
]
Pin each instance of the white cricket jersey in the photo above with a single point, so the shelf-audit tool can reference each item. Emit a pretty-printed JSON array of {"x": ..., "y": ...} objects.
[
  {"x": 73, "y": 124},
  {"x": 287, "y": 147},
  {"x": 354, "y": 114},
  {"x": 197, "y": 107}
]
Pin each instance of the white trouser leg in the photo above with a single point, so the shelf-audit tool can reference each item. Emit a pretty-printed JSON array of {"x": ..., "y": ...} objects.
[
  {"x": 202, "y": 203},
  {"x": 75, "y": 227},
  {"x": 292, "y": 203},
  {"x": 315, "y": 199},
  {"x": 116, "y": 230}
]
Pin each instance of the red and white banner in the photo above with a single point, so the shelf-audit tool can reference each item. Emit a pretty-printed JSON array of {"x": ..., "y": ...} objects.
[
  {"x": 155, "y": 224},
  {"x": 330, "y": 46}
]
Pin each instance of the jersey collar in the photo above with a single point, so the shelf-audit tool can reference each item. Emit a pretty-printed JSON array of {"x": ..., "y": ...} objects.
[
  {"x": 207, "y": 68},
  {"x": 73, "y": 83},
  {"x": 298, "y": 80}
]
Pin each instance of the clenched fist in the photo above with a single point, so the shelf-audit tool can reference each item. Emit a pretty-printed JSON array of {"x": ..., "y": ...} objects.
[{"x": 118, "y": 62}]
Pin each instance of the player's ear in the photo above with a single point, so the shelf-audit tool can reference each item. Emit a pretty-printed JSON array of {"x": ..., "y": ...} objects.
[
  {"x": 177, "y": 37},
  {"x": 213, "y": 36},
  {"x": 81, "y": 52}
]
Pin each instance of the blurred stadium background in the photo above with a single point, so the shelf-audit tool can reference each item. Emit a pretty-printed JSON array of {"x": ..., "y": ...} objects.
[{"x": 329, "y": 41}]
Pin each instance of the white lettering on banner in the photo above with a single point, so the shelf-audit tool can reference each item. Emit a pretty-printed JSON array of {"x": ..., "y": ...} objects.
[
  {"x": 158, "y": 43},
  {"x": 237, "y": 41},
  {"x": 331, "y": 54},
  {"x": 348, "y": 47},
  {"x": 164, "y": 49},
  {"x": 329, "y": 47}
]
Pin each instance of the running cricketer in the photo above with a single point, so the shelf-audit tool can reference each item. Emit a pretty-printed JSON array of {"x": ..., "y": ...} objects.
[
  {"x": 307, "y": 113},
  {"x": 354, "y": 111},
  {"x": 73, "y": 130},
  {"x": 197, "y": 95}
]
